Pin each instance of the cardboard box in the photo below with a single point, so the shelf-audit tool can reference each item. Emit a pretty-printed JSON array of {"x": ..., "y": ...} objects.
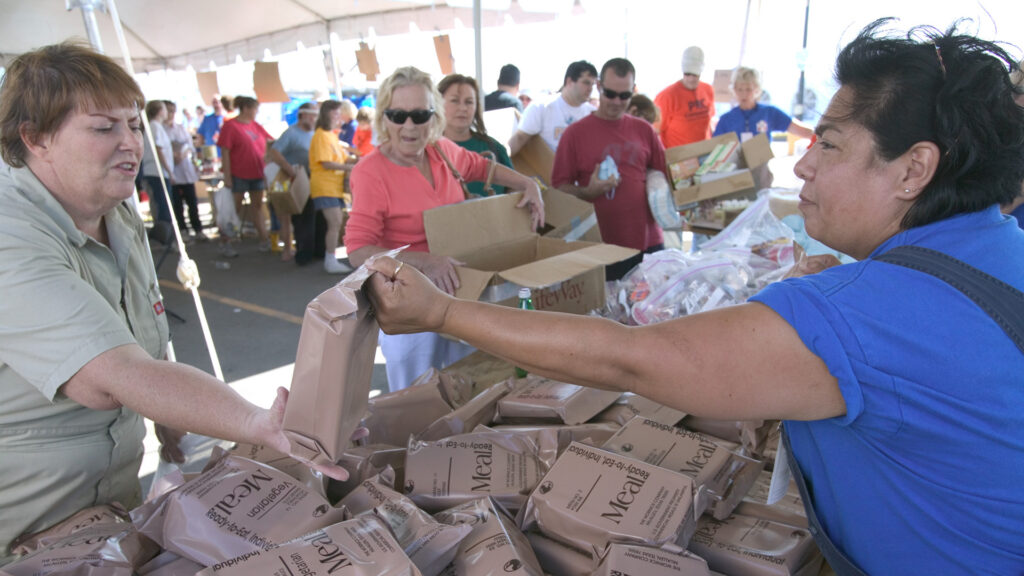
[
  {"x": 292, "y": 196},
  {"x": 535, "y": 159},
  {"x": 502, "y": 254},
  {"x": 754, "y": 153}
]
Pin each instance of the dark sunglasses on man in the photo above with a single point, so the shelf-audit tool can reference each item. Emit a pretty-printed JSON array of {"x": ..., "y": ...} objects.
[
  {"x": 419, "y": 116},
  {"x": 612, "y": 94}
]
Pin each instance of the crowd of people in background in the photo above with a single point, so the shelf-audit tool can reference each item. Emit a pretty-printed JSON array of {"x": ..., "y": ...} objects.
[{"x": 594, "y": 111}]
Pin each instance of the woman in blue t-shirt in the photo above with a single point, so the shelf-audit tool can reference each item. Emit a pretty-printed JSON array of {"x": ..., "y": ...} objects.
[
  {"x": 750, "y": 118},
  {"x": 901, "y": 396}
]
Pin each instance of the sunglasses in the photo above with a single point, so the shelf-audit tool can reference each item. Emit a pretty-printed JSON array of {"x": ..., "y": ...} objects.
[
  {"x": 400, "y": 116},
  {"x": 612, "y": 94}
]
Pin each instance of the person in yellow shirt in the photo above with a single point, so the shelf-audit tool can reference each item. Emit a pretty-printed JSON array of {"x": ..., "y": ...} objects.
[{"x": 328, "y": 163}]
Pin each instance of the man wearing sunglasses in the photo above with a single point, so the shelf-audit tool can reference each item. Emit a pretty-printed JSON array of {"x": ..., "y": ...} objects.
[
  {"x": 687, "y": 106},
  {"x": 550, "y": 118},
  {"x": 620, "y": 200}
]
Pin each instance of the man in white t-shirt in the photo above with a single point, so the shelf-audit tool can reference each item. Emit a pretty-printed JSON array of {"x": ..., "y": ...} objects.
[{"x": 551, "y": 117}]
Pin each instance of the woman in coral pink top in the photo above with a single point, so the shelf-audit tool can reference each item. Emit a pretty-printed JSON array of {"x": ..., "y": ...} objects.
[{"x": 392, "y": 187}]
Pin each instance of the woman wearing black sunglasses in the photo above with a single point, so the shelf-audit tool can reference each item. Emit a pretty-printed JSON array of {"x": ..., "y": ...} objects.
[{"x": 413, "y": 170}]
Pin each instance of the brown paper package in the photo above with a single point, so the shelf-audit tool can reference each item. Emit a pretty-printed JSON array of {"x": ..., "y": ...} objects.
[
  {"x": 104, "y": 514},
  {"x": 431, "y": 545},
  {"x": 592, "y": 497},
  {"x": 494, "y": 546},
  {"x": 541, "y": 400},
  {"x": 392, "y": 418},
  {"x": 362, "y": 546},
  {"x": 722, "y": 477},
  {"x": 112, "y": 549},
  {"x": 235, "y": 507},
  {"x": 464, "y": 419},
  {"x": 333, "y": 369},
  {"x": 747, "y": 546},
  {"x": 630, "y": 405},
  {"x": 364, "y": 462},
  {"x": 631, "y": 559}
]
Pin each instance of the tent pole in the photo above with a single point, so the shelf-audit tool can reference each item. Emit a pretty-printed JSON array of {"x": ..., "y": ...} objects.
[
  {"x": 477, "y": 41},
  {"x": 334, "y": 60},
  {"x": 88, "y": 8}
]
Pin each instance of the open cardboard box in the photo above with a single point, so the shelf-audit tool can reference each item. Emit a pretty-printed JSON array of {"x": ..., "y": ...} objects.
[
  {"x": 502, "y": 254},
  {"x": 535, "y": 159},
  {"x": 753, "y": 153}
]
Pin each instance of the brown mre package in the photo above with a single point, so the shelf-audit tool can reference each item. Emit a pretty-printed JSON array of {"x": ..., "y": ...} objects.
[
  {"x": 431, "y": 545},
  {"x": 362, "y": 546},
  {"x": 364, "y": 462},
  {"x": 722, "y": 477},
  {"x": 333, "y": 369},
  {"x": 751, "y": 434},
  {"x": 630, "y": 559},
  {"x": 235, "y": 507},
  {"x": 747, "y": 546},
  {"x": 630, "y": 405},
  {"x": 788, "y": 510},
  {"x": 479, "y": 410},
  {"x": 301, "y": 471},
  {"x": 592, "y": 497},
  {"x": 591, "y": 434},
  {"x": 494, "y": 546},
  {"x": 168, "y": 563},
  {"x": 542, "y": 400},
  {"x": 558, "y": 559},
  {"x": 104, "y": 514},
  {"x": 112, "y": 549},
  {"x": 454, "y": 470},
  {"x": 391, "y": 418}
]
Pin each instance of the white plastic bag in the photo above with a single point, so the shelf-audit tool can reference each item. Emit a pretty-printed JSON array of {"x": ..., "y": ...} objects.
[
  {"x": 661, "y": 201},
  {"x": 227, "y": 219}
]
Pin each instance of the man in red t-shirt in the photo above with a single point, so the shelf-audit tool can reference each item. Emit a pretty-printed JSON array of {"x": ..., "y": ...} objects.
[
  {"x": 620, "y": 200},
  {"x": 243, "y": 144},
  {"x": 687, "y": 106}
]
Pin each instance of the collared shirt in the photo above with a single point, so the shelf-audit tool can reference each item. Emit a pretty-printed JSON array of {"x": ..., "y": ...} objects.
[{"x": 66, "y": 299}]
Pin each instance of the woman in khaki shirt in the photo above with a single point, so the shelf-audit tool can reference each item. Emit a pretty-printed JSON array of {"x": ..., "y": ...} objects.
[{"x": 83, "y": 332}]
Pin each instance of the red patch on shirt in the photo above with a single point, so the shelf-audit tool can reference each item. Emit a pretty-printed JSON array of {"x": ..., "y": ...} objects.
[{"x": 158, "y": 308}]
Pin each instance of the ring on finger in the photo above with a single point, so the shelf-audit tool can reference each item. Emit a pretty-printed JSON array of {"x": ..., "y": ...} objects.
[{"x": 395, "y": 274}]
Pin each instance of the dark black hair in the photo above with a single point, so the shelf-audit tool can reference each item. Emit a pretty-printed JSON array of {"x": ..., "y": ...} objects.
[
  {"x": 620, "y": 66},
  {"x": 953, "y": 90},
  {"x": 509, "y": 75},
  {"x": 577, "y": 69}
]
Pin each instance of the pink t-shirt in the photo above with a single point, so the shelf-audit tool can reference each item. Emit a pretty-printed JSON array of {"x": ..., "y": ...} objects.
[
  {"x": 623, "y": 216},
  {"x": 388, "y": 200},
  {"x": 247, "y": 144}
]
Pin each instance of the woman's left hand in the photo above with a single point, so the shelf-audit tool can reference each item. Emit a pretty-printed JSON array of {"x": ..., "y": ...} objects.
[{"x": 533, "y": 200}]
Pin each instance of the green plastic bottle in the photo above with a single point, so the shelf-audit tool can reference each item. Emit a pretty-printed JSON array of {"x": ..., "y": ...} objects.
[{"x": 525, "y": 303}]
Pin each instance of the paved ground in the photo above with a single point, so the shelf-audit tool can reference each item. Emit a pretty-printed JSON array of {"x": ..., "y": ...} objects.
[{"x": 254, "y": 305}]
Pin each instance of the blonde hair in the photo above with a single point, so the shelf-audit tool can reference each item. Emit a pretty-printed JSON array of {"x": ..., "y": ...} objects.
[
  {"x": 744, "y": 74},
  {"x": 409, "y": 76}
]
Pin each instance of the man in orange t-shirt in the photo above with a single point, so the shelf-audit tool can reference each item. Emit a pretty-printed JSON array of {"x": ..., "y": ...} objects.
[{"x": 687, "y": 106}]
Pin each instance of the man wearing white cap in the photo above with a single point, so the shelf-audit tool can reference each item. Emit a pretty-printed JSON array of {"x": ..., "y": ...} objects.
[{"x": 687, "y": 106}]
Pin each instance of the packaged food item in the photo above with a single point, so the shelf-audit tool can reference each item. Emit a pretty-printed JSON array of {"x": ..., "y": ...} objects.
[
  {"x": 629, "y": 559},
  {"x": 722, "y": 478},
  {"x": 592, "y": 497},
  {"x": 362, "y": 546},
  {"x": 443, "y": 473},
  {"x": 301, "y": 471},
  {"x": 168, "y": 563},
  {"x": 237, "y": 506},
  {"x": 559, "y": 559},
  {"x": 591, "y": 434},
  {"x": 112, "y": 513},
  {"x": 495, "y": 544},
  {"x": 479, "y": 410},
  {"x": 787, "y": 510},
  {"x": 391, "y": 418},
  {"x": 333, "y": 369},
  {"x": 111, "y": 549},
  {"x": 363, "y": 462},
  {"x": 431, "y": 545},
  {"x": 537, "y": 399},
  {"x": 746, "y": 546},
  {"x": 752, "y": 435},
  {"x": 630, "y": 405}
]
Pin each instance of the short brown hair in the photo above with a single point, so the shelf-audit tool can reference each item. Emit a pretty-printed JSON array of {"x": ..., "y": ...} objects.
[{"x": 42, "y": 87}]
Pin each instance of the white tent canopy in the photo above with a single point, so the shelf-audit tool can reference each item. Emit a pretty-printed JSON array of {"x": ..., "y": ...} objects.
[{"x": 176, "y": 34}]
